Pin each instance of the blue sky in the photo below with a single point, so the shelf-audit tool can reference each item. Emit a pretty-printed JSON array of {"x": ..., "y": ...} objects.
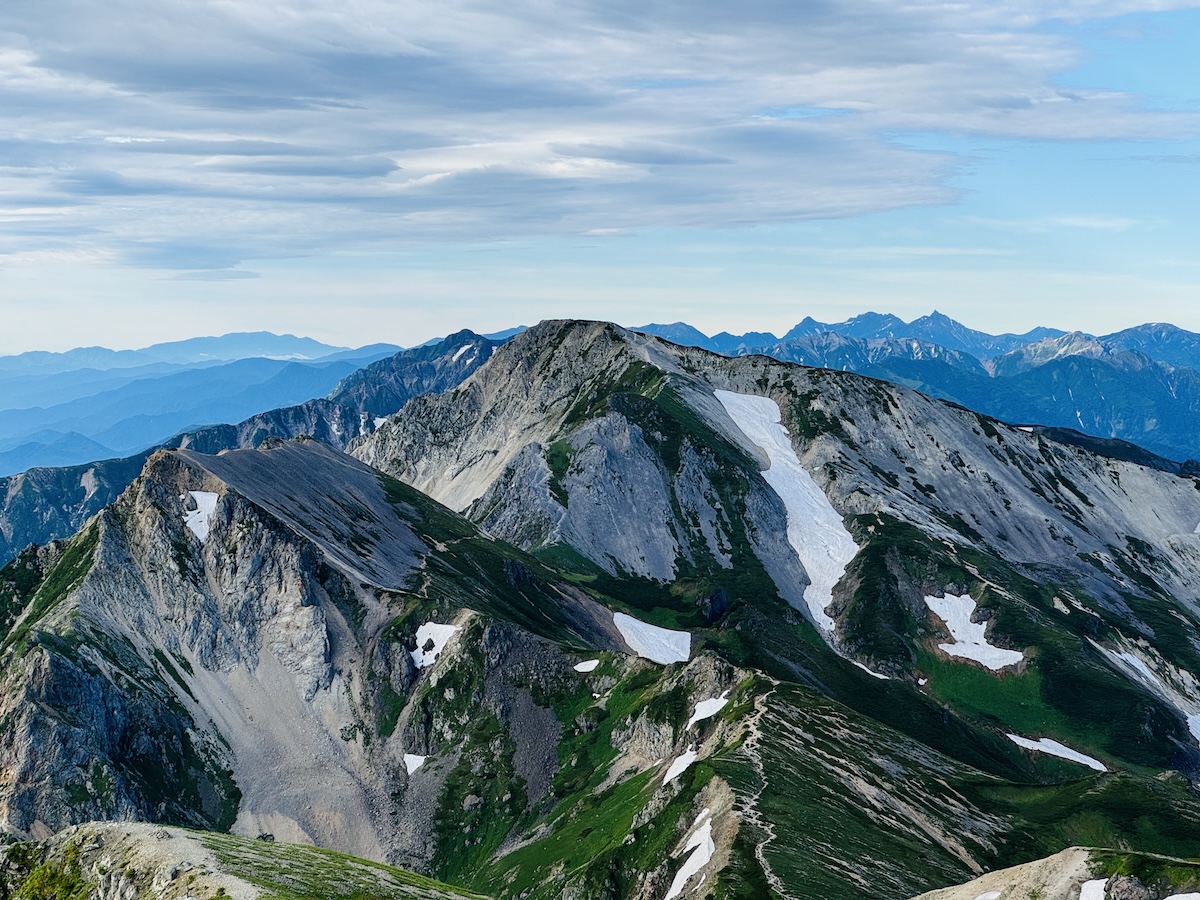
[{"x": 367, "y": 170}]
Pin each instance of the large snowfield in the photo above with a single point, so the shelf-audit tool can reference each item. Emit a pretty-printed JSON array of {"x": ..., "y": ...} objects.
[
  {"x": 660, "y": 645},
  {"x": 815, "y": 529}
]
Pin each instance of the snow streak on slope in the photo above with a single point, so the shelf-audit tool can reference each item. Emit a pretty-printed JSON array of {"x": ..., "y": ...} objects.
[
  {"x": 706, "y": 709},
  {"x": 1176, "y": 687},
  {"x": 680, "y": 764},
  {"x": 970, "y": 638},
  {"x": 815, "y": 529},
  {"x": 198, "y": 520},
  {"x": 588, "y": 665},
  {"x": 660, "y": 645},
  {"x": 702, "y": 847},
  {"x": 1054, "y": 748}
]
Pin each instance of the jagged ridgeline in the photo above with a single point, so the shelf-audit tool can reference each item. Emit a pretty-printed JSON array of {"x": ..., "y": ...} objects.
[{"x": 614, "y": 618}]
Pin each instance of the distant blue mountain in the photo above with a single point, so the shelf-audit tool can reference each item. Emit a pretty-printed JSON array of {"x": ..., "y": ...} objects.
[
  {"x": 238, "y": 345},
  {"x": 143, "y": 411}
]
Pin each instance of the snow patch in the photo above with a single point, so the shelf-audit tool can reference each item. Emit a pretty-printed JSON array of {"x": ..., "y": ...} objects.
[
  {"x": 990, "y": 895},
  {"x": 870, "y": 672},
  {"x": 1140, "y": 667},
  {"x": 1093, "y": 890},
  {"x": 1062, "y": 607},
  {"x": 679, "y": 765},
  {"x": 461, "y": 350},
  {"x": 815, "y": 529},
  {"x": 200, "y": 518},
  {"x": 706, "y": 709},
  {"x": 1054, "y": 748},
  {"x": 1192, "y": 896},
  {"x": 412, "y": 762},
  {"x": 379, "y": 420},
  {"x": 660, "y": 645},
  {"x": 431, "y": 641},
  {"x": 588, "y": 665},
  {"x": 970, "y": 638},
  {"x": 702, "y": 848}
]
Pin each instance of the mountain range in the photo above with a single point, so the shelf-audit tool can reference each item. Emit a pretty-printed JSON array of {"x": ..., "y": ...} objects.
[
  {"x": 1141, "y": 385},
  {"x": 593, "y": 614}
]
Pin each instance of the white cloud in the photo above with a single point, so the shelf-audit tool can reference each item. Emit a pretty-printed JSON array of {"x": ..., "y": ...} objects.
[{"x": 193, "y": 135}]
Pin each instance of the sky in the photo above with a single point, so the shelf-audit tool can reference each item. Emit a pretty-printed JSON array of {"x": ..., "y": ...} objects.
[{"x": 368, "y": 170}]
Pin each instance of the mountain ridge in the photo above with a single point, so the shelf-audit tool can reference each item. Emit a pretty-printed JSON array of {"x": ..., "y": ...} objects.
[{"x": 616, "y": 663}]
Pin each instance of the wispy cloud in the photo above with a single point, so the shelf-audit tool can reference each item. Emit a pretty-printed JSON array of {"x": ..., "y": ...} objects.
[{"x": 194, "y": 135}]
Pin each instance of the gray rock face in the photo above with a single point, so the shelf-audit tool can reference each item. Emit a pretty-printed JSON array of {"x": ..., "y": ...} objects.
[{"x": 246, "y": 647}]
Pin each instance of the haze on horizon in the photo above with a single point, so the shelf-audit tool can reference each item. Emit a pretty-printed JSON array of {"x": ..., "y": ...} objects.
[{"x": 371, "y": 172}]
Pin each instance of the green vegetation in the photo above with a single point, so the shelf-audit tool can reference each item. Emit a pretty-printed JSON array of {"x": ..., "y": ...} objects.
[
  {"x": 298, "y": 872},
  {"x": 74, "y": 563},
  {"x": 1165, "y": 873},
  {"x": 558, "y": 458},
  {"x": 19, "y": 580},
  {"x": 57, "y": 879}
]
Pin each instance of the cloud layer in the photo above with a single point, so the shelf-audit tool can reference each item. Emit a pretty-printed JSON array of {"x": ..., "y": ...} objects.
[{"x": 196, "y": 134}]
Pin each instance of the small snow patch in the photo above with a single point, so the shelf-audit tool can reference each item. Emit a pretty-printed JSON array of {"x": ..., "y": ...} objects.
[
  {"x": 1093, "y": 890},
  {"x": 588, "y": 665},
  {"x": 200, "y": 518},
  {"x": 1192, "y": 896},
  {"x": 1028, "y": 429},
  {"x": 431, "y": 641},
  {"x": 379, "y": 420},
  {"x": 814, "y": 528},
  {"x": 922, "y": 681},
  {"x": 412, "y": 762},
  {"x": 680, "y": 764},
  {"x": 1054, "y": 748},
  {"x": 970, "y": 638},
  {"x": 702, "y": 848},
  {"x": 660, "y": 645},
  {"x": 990, "y": 895},
  {"x": 706, "y": 709},
  {"x": 1061, "y": 607},
  {"x": 461, "y": 350}
]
